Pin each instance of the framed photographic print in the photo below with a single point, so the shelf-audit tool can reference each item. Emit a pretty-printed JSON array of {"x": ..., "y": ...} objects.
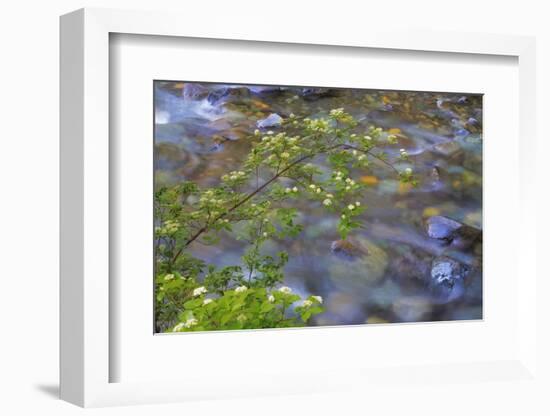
[{"x": 291, "y": 214}]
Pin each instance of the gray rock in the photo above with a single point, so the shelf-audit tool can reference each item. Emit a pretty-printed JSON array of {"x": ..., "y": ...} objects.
[
  {"x": 448, "y": 279},
  {"x": 452, "y": 232},
  {"x": 442, "y": 228},
  {"x": 273, "y": 120}
]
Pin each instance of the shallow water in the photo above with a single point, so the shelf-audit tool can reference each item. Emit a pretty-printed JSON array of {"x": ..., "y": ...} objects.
[{"x": 202, "y": 132}]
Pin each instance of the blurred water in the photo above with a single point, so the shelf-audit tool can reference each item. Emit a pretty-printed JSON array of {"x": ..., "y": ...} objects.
[{"x": 202, "y": 131}]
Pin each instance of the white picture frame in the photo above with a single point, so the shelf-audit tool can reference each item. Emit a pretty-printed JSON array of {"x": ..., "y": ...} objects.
[{"x": 85, "y": 217}]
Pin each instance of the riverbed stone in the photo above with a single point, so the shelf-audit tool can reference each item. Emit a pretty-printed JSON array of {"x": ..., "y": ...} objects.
[
  {"x": 450, "y": 231},
  {"x": 448, "y": 278},
  {"x": 272, "y": 120}
]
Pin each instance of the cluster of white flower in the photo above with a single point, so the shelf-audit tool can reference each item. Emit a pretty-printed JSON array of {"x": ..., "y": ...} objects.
[
  {"x": 207, "y": 301},
  {"x": 317, "y": 298},
  {"x": 392, "y": 138},
  {"x": 320, "y": 125},
  {"x": 351, "y": 207},
  {"x": 168, "y": 277},
  {"x": 403, "y": 153},
  {"x": 187, "y": 324},
  {"x": 337, "y": 112},
  {"x": 236, "y": 175},
  {"x": 170, "y": 227},
  {"x": 199, "y": 291},
  {"x": 285, "y": 289},
  {"x": 350, "y": 181},
  {"x": 293, "y": 189},
  {"x": 327, "y": 202},
  {"x": 271, "y": 298},
  {"x": 241, "y": 289},
  {"x": 408, "y": 171},
  {"x": 307, "y": 303}
]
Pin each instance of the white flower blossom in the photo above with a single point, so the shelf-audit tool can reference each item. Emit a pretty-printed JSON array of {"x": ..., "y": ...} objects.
[
  {"x": 318, "y": 190},
  {"x": 271, "y": 298},
  {"x": 307, "y": 303},
  {"x": 187, "y": 324},
  {"x": 285, "y": 155},
  {"x": 199, "y": 291},
  {"x": 408, "y": 171},
  {"x": 285, "y": 289},
  {"x": 343, "y": 216},
  {"x": 288, "y": 190},
  {"x": 351, "y": 207},
  {"x": 327, "y": 202},
  {"x": 169, "y": 277},
  {"x": 178, "y": 327},
  {"x": 190, "y": 322},
  {"x": 318, "y": 298},
  {"x": 256, "y": 132},
  {"x": 264, "y": 234},
  {"x": 270, "y": 132},
  {"x": 240, "y": 289},
  {"x": 357, "y": 203},
  {"x": 295, "y": 189},
  {"x": 207, "y": 301},
  {"x": 329, "y": 196},
  {"x": 312, "y": 186}
]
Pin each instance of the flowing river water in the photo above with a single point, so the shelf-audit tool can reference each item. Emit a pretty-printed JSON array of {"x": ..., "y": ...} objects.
[{"x": 421, "y": 246}]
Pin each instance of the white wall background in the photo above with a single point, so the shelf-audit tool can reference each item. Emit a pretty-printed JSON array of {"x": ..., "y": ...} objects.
[{"x": 29, "y": 57}]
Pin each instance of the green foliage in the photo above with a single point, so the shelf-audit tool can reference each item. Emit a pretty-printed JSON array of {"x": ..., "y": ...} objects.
[{"x": 254, "y": 205}]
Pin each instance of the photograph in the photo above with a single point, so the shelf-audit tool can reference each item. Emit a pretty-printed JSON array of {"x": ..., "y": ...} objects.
[{"x": 282, "y": 206}]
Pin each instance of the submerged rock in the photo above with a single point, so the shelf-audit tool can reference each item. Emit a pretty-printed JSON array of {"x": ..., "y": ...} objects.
[
  {"x": 273, "y": 120},
  {"x": 449, "y": 149},
  {"x": 448, "y": 278},
  {"x": 357, "y": 262},
  {"x": 347, "y": 250}
]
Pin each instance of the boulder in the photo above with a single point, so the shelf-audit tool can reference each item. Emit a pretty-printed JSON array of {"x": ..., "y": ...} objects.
[
  {"x": 450, "y": 231},
  {"x": 448, "y": 278},
  {"x": 273, "y": 120}
]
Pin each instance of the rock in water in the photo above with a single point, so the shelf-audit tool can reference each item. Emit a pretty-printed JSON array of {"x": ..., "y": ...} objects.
[
  {"x": 448, "y": 278},
  {"x": 356, "y": 264},
  {"x": 346, "y": 250},
  {"x": 442, "y": 228},
  {"x": 452, "y": 232},
  {"x": 273, "y": 120}
]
